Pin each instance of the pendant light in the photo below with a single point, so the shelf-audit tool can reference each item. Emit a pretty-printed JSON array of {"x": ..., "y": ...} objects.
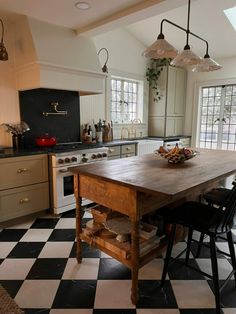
[
  {"x": 3, "y": 51},
  {"x": 186, "y": 58}
]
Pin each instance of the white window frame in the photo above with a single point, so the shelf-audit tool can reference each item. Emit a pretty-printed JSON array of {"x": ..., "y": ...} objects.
[
  {"x": 197, "y": 105},
  {"x": 140, "y": 100}
]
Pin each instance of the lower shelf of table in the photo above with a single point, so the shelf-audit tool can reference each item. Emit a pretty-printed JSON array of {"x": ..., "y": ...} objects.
[{"x": 122, "y": 251}]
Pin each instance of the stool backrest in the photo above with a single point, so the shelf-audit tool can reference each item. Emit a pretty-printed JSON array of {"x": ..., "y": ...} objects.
[{"x": 228, "y": 209}]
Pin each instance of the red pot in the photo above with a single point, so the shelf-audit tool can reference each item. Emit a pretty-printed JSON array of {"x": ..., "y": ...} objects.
[{"x": 45, "y": 140}]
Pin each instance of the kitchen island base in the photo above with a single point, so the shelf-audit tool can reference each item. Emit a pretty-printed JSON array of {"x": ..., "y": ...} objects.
[{"x": 137, "y": 186}]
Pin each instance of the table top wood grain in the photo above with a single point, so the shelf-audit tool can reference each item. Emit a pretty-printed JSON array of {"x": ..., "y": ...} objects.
[{"x": 152, "y": 174}]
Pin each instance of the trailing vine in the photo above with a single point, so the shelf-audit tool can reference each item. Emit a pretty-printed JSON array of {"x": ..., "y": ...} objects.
[{"x": 153, "y": 72}]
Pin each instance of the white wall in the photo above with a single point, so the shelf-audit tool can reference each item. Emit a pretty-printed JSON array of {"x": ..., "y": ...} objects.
[
  {"x": 195, "y": 80},
  {"x": 126, "y": 60}
]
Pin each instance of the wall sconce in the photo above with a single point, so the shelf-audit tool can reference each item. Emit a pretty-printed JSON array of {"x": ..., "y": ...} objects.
[
  {"x": 104, "y": 68},
  {"x": 162, "y": 49},
  {"x": 3, "y": 51}
]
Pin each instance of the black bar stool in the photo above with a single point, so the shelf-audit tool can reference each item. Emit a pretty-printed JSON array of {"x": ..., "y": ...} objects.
[
  {"x": 215, "y": 198},
  {"x": 207, "y": 220}
]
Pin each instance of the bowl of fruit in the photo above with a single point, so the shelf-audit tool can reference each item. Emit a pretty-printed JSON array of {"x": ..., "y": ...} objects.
[{"x": 176, "y": 155}]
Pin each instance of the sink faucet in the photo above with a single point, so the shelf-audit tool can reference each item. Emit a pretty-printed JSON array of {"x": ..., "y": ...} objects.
[
  {"x": 136, "y": 121},
  {"x": 122, "y": 133}
]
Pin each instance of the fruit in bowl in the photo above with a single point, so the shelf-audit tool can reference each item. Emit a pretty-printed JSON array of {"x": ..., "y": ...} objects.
[{"x": 176, "y": 154}]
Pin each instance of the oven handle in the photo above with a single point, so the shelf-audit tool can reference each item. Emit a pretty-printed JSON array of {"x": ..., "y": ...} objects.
[{"x": 64, "y": 170}]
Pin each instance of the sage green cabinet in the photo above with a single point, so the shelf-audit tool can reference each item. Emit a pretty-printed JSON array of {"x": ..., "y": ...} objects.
[
  {"x": 121, "y": 151},
  {"x": 166, "y": 115}
]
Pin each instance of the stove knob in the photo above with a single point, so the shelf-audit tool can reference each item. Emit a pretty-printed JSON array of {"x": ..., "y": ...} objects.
[
  {"x": 99, "y": 155},
  {"x": 104, "y": 154},
  {"x": 73, "y": 159},
  {"x": 94, "y": 156},
  {"x": 60, "y": 161},
  {"x": 84, "y": 159},
  {"x": 67, "y": 160}
]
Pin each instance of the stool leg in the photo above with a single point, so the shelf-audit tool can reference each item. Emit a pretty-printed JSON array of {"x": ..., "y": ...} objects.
[
  {"x": 168, "y": 253},
  {"x": 215, "y": 274},
  {"x": 190, "y": 235},
  {"x": 199, "y": 245},
  {"x": 232, "y": 252}
]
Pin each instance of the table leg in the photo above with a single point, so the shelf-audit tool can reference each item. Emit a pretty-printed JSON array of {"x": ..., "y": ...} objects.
[
  {"x": 135, "y": 261},
  {"x": 78, "y": 229}
]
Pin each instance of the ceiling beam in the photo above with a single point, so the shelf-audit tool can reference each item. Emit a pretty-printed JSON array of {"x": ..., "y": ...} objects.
[{"x": 117, "y": 16}]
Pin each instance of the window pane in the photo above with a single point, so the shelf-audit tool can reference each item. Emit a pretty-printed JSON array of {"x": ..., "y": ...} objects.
[{"x": 125, "y": 94}]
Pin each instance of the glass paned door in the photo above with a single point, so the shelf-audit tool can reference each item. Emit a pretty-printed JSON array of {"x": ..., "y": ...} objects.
[{"x": 218, "y": 117}]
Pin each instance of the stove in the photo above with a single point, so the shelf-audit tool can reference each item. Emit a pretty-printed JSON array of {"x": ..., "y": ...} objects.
[{"x": 62, "y": 179}]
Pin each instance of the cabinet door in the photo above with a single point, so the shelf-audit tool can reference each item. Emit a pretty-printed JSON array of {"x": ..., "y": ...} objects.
[
  {"x": 157, "y": 107},
  {"x": 176, "y": 92},
  {"x": 156, "y": 126},
  {"x": 174, "y": 126}
]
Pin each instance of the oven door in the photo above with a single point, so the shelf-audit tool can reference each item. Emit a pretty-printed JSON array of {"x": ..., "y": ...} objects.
[{"x": 62, "y": 190}]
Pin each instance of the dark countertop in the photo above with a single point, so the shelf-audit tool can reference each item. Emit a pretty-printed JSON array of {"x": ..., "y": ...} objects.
[{"x": 11, "y": 152}]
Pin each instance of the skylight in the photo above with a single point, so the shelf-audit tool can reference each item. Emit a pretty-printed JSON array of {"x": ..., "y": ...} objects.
[{"x": 231, "y": 15}]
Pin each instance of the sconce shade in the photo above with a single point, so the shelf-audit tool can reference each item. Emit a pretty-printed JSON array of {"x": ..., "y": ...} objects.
[
  {"x": 207, "y": 65},
  {"x": 160, "y": 49},
  {"x": 3, "y": 51},
  {"x": 104, "y": 68},
  {"x": 185, "y": 58}
]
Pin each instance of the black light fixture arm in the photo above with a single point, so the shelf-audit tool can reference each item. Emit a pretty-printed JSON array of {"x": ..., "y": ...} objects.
[
  {"x": 104, "y": 69},
  {"x": 187, "y": 31},
  {"x": 2, "y": 30}
]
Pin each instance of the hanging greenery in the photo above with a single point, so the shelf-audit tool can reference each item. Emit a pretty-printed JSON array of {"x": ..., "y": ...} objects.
[{"x": 153, "y": 72}]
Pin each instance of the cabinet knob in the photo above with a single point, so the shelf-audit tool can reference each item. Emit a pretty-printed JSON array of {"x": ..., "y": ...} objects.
[
  {"x": 128, "y": 148},
  {"x": 22, "y": 170},
  {"x": 24, "y": 200}
]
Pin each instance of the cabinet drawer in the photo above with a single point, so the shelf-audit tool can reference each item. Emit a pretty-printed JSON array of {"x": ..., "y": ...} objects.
[
  {"x": 185, "y": 141},
  {"x": 20, "y": 171},
  {"x": 23, "y": 201},
  {"x": 113, "y": 151},
  {"x": 113, "y": 157},
  {"x": 127, "y": 155},
  {"x": 128, "y": 149}
]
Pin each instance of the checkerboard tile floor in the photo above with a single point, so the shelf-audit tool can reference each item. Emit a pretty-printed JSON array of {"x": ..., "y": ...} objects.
[{"x": 39, "y": 270}]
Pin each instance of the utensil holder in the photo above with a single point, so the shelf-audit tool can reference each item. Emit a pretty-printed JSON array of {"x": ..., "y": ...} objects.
[{"x": 17, "y": 141}]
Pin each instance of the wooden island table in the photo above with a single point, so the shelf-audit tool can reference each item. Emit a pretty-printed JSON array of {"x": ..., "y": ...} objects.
[{"x": 139, "y": 185}]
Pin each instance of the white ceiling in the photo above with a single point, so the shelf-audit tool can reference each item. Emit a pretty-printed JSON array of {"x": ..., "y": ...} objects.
[{"x": 141, "y": 18}]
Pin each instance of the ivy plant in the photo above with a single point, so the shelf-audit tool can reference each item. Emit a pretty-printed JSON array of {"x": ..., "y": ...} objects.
[{"x": 153, "y": 72}]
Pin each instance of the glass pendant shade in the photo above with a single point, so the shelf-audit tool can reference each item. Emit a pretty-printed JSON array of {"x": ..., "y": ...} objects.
[
  {"x": 160, "y": 49},
  {"x": 185, "y": 58},
  {"x": 207, "y": 65}
]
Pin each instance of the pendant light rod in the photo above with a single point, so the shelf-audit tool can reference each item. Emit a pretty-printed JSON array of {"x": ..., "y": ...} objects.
[
  {"x": 183, "y": 29},
  {"x": 187, "y": 30}
]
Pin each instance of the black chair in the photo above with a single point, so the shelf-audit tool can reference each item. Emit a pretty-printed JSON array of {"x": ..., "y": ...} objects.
[
  {"x": 207, "y": 220},
  {"x": 215, "y": 198}
]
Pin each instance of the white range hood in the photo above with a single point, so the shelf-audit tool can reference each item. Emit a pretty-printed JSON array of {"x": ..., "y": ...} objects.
[{"x": 48, "y": 56}]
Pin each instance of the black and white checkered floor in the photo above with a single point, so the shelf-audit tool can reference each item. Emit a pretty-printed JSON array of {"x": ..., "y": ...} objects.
[{"x": 39, "y": 269}]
